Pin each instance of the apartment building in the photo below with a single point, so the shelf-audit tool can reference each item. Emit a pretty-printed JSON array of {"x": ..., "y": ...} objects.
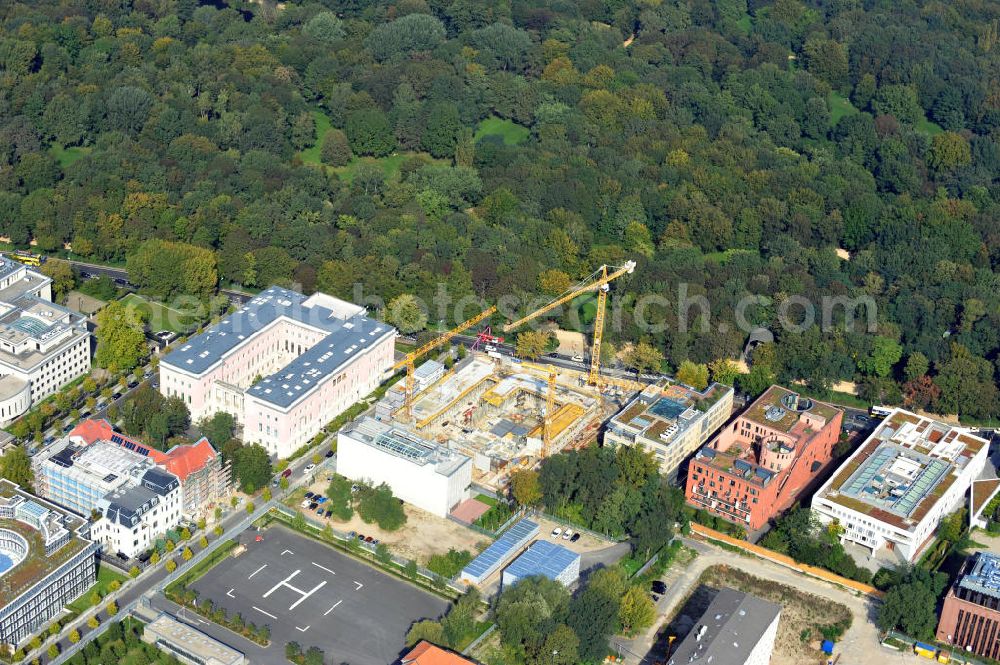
[
  {"x": 671, "y": 421},
  {"x": 758, "y": 466},
  {"x": 283, "y": 365},
  {"x": 890, "y": 495},
  {"x": 42, "y": 345}
]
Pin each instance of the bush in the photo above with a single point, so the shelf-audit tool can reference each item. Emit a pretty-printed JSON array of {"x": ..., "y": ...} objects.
[
  {"x": 450, "y": 564},
  {"x": 380, "y": 506}
]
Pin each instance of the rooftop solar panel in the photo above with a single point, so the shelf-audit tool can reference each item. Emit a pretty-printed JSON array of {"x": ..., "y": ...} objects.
[
  {"x": 501, "y": 550},
  {"x": 542, "y": 558}
]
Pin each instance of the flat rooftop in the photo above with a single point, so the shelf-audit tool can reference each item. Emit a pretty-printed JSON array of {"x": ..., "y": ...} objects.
[
  {"x": 780, "y": 409},
  {"x": 349, "y": 333},
  {"x": 984, "y": 576},
  {"x": 192, "y": 641},
  {"x": 903, "y": 468},
  {"x": 542, "y": 558},
  {"x": 728, "y": 630},
  {"x": 399, "y": 442},
  {"x": 36, "y": 564},
  {"x": 663, "y": 412}
]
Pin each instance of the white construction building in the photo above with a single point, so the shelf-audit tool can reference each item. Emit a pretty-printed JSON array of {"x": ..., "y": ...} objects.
[
  {"x": 736, "y": 629},
  {"x": 420, "y": 472},
  {"x": 890, "y": 495}
]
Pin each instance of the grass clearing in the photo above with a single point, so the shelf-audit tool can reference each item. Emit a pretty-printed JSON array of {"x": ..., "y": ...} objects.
[
  {"x": 323, "y": 125},
  {"x": 840, "y": 106},
  {"x": 488, "y": 500},
  {"x": 390, "y": 165},
  {"x": 929, "y": 127},
  {"x": 159, "y": 316},
  {"x": 511, "y": 132},
  {"x": 105, "y": 576},
  {"x": 67, "y": 156}
]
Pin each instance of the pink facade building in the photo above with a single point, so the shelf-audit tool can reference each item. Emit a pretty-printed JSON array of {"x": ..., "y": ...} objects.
[{"x": 283, "y": 365}]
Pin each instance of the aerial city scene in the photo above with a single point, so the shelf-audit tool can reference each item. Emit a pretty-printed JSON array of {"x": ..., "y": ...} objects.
[{"x": 499, "y": 332}]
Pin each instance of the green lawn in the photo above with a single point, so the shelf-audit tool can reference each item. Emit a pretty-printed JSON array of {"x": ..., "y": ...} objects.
[
  {"x": 839, "y": 107},
  {"x": 488, "y": 500},
  {"x": 159, "y": 316},
  {"x": 390, "y": 165},
  {"x": 511, "y": 132},
  {"x": 311, "y": 155},
  {"x": 67, "y": 156},
  {"x": 929, "y": 127},
  {"x": 105, "y": 576}
]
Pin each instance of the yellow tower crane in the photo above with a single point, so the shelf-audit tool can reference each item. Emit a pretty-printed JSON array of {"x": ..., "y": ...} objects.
[
  {"x": 409, "y": 362},
  {"x": 598, "y": 281}
]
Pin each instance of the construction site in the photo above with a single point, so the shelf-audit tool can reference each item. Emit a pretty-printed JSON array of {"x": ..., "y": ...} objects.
[
  {"x": 494, "y": 410},
  {"x": 504, "y": 413}
]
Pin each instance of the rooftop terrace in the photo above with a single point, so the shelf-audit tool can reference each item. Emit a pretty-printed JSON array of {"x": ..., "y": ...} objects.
[
  {"x": 780, "y": 409},
  {"x": 664, "y": 412}
]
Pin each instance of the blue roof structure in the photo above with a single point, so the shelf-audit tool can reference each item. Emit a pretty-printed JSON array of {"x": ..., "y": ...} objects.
[
  {"x": 348, "y": 334},
  {"x": 502, "y": 549},
  {"x": 542, "y": 558}
]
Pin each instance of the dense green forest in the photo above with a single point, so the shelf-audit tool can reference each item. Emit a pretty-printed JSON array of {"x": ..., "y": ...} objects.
[{"x": 512, "y": 147}]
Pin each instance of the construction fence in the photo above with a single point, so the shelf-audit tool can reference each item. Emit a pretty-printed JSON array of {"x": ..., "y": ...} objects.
[{"x": 787, "y": 561}]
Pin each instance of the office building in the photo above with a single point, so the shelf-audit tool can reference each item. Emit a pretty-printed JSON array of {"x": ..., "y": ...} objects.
[
  {"x": 759, "y": 465},
  {"x": 736, "y": 629},
  {"x": 890, "y": 495},
  {"x": 283, "y": 365},
  {"x": 547, "y": 559},
  {"x": 42, "y": 345},
  {"x": 188, "y": 644},
  {"x": 137, "y": 500},
  {"x": 205, "y": 480},
  {"x": 420, "y": 472},
  {"x": 671, "y": 421},
  {"x": 970, "y": 616},
  {"x": 47, "y": 560}
]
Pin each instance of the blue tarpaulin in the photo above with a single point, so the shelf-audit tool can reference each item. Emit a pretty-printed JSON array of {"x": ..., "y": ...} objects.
[{"x": 827, "y": 647}]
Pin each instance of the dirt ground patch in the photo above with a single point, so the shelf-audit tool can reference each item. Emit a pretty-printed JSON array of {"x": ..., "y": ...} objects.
[
  {"x": 803, "y": 615},
  {"x": 422, "y": 536},
  {"x": 571, "y": 343}
]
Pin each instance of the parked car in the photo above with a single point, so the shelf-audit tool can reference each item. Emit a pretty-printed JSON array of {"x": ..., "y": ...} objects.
[
  {"x": 286, "y": 473},
  {"x": 305, "y": 503},
  {"x": 329, "y": 454},
  {"x": 355, "y": 487},
  {"x": 368, "y": 539},
  {"x": 312, "y": 506},
  {"x": 352, "y": 534},
  {"x": 658, "y": 587},
  {"x": 321, "y": 499},
  {"x": 309, "y": 495},
  {"x": 576, "y": 537},
  {"x": 275, "y": 482},
  {"x": 375, "y": 542},
  {"x": 319, "y": 511},
  {"x": 577, "y": 358},
  {"x": 361, "y": 537},
  {"x": 556, "y": 532},
  {"x": 328, "y": 514},
  {"x": 568, "y": 534},
  {"x": 309, "y": 467},
  {"x": 116, "y": 396}
]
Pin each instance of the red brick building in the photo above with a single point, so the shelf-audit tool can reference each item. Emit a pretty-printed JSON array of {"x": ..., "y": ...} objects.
[
  {"x": 757, "y": 466},
  {"x": 970, "y": 617}
]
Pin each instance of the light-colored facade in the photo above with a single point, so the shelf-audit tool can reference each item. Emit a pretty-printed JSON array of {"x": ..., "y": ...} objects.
[
  {"x": 42, "y": 345},
  {"x": 205, "y": 480},
  {"x": 736, "y": 629},
  {"x": 671, "y": 421},
  {"x": 137, "y": 500},
  {"x": 50, "y": 562},
  {"x": 283, "y": 365},
  {"x": 420, "y": 472},
  {"x": 893, "y": 491}
]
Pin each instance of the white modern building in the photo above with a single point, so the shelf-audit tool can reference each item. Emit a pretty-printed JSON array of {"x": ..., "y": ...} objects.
[
  {"x": 890, "y": 495},
  {"x": 420, "y": 472},
  {"x": 736, "y": 629},
  {"x": 189, "y": 645},
  {"x": 283, "y": 365},
  {"x": 138, "y": 501},
  {"x": 47, "y": 560},
  {"x": 671, "y": 421},
  {"x": 42, "y": 345}
]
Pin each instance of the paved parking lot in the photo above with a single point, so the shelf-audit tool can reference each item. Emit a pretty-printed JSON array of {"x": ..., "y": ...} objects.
[{"x": 311, "y": 594}]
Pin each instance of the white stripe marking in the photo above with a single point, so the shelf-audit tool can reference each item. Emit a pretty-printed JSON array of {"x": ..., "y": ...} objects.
[
  {"x": 258, "y": 570},
  {"x": 306, "y": 595},
  {"x": 284, "y": 552},
  {"x": 302, "y": 630},
  {"x": 263, "y": 612},
  {"x": 230, "y": 593},
  {"x": 282, "y": 583},
  {"x": 323, "y": 567},
  {"x": 333, "y": 608},
  {"x": 359, "y": 585}
]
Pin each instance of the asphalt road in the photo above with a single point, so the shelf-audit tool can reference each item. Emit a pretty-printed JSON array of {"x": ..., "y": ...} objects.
[
  {"x": 120, "y": 275},
  {"x": 311, "y": 594}
]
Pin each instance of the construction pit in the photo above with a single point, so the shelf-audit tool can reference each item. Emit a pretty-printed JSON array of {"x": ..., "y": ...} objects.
[{"x": 493, "y": 410}]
